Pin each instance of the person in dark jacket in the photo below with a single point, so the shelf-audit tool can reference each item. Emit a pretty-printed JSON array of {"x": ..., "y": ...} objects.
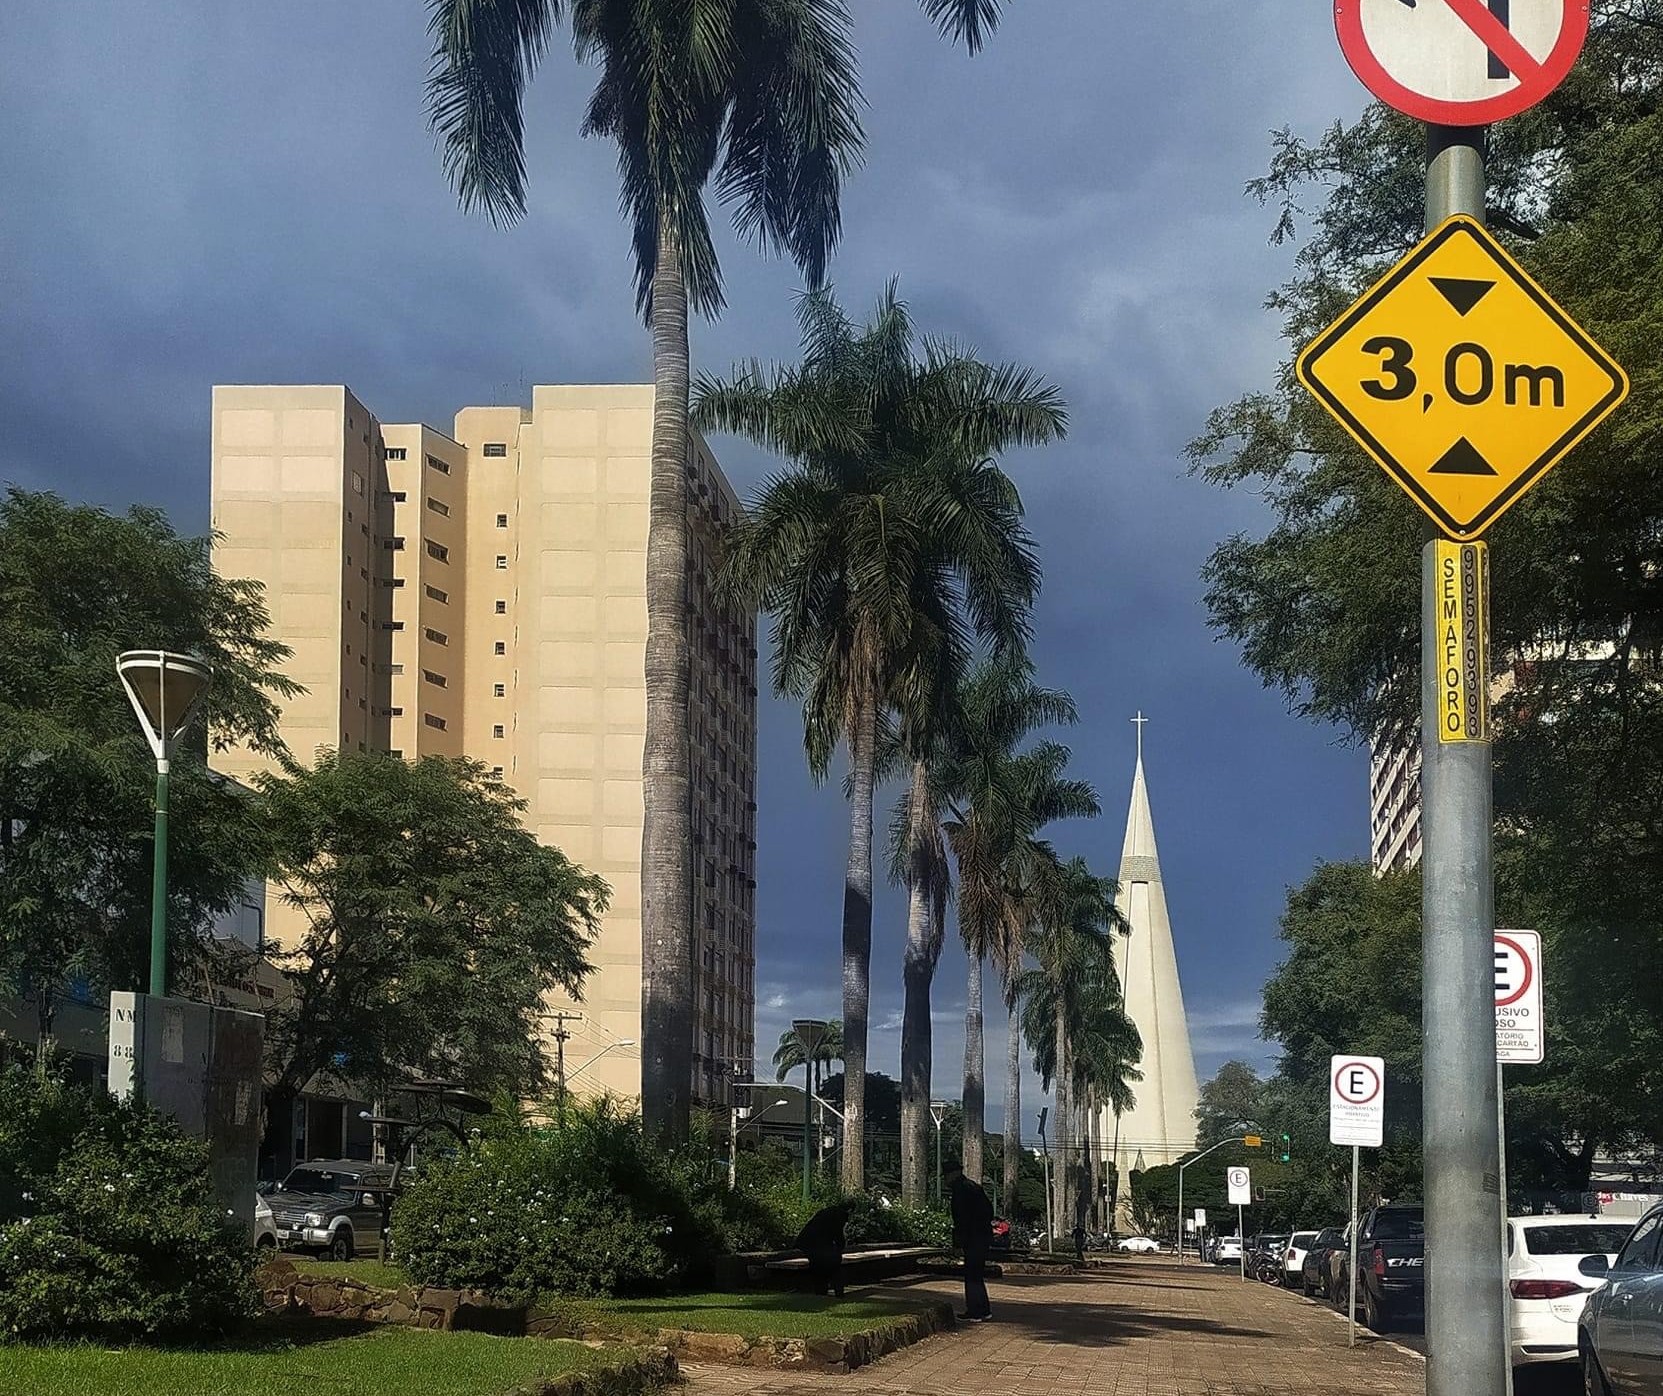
[
  {"x": 972, "y": 1235},
  {"x": 822, "y": 1241}
]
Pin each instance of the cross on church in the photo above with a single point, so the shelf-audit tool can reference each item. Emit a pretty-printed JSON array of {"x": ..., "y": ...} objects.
[{"x": 1139, "y": 722}]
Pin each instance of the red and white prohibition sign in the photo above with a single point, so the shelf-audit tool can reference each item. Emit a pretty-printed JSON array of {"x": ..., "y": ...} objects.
[{"x": 1461, "y": 62}]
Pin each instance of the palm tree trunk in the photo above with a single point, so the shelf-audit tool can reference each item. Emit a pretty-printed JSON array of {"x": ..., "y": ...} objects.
[
  {"x": 1066, "y": 1153},
  {"x": 1094, "y": 1137},
  {"x": 975, "y": 1086},
  {"x": 857, "y": 944},
  {"x": 667, "y": 1033},
  {"x": 918, "y": 970},
  {"x": 1013, "y": 1106}
]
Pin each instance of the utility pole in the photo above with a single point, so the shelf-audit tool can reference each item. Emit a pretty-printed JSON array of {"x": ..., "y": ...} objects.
[
  {"x": 1464, "y": 1310},
  {"x": 561, "y": 1037}
]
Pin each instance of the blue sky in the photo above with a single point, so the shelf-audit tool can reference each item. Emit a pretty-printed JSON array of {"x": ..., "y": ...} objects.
[{"x": 199, "y": 193}]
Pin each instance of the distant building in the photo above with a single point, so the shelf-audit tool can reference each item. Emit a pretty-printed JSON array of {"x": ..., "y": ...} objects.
[
  {"x": 485, "y": 594},
  {"x": 1160, "y": 1127},
  {"x": 1394, "y": 803}
]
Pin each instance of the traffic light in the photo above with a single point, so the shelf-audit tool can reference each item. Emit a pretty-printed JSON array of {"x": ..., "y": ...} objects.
[
  {"x": 1252, "y": 1140},
  {"x": 1287, "y": 1147}
]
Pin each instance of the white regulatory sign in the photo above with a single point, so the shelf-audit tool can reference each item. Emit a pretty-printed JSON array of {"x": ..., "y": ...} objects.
[
  {"x": 1518, "y": 996},
  {"x": 1240, "y": 1183},
  {"x": 1200, "y": 1216},
  {"x": 1356, "y": 1101}
]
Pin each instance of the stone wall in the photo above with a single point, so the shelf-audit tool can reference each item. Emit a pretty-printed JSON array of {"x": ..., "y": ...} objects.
[{"x": 416, "y": 1306}]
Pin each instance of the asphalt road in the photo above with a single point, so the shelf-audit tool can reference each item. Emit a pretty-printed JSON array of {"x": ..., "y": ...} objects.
[{"x": 1536, "y": 1379}]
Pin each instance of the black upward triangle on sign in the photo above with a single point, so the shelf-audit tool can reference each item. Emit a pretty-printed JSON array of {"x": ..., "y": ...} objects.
[
  {"x": 1462, "y": 458},
  {"x": 1461, "y": 293}
]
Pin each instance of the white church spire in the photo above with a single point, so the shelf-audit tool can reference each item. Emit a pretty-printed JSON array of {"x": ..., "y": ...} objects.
[{"x": 1161, "y": 1124}]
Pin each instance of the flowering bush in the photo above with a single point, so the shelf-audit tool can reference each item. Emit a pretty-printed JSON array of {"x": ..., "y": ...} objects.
[
  {"x": 590, "y": 1208},
  {"x": 108, "y": 1225}
]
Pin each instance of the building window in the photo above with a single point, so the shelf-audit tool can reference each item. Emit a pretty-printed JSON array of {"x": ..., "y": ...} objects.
[
  {"x": 434, "y": 550},
  {"x": 396, "y": 545},
  {"x": 396, "y": 453},
  {"x": 496, "y": 772},
  {"x": 502, "y": 563},
  {"x": 396, "y": 752},
  {"x": 497, "y": 730},
  {"x": 502, "y": 520},
  {"x": 499, "y": 690},
  {"x": 395, "y": 712},
  {"x": 496, "y": 448},
  {"x": 393, "y": 496},
  {"x": 437, "y": 680},
  {"x": 392, "y": 581},
  {"x": 437, "y": 636},
  {"x": 433, "y": 721},
  {"x": 436, "y": 594},
  {"x": 443, "y": 467},
  {"x": 357, "y": 485},
  {"x": 438, "y": 506},
  {"x": 392, "y": 625},
  {"x": 501, "y": 647},
  {"x": 502, "y": 608}
]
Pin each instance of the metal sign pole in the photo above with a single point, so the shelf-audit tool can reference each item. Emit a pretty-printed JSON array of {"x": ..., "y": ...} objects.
[
  {"x": 1351, "y": 1272},
  {"x": 1506, "y": 1288},
  {"x": 1241, "y": 1233},
  {"x": 1464, "y": 1326}
]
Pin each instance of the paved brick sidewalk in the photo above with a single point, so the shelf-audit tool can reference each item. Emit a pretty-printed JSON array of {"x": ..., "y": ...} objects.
[{"x": 1143, "y": 1329}]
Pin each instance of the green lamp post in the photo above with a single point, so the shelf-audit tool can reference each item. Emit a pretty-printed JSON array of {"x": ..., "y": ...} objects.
[
  {"x": 811, "y": 1032},
  {"x": 164, "y": 689}
]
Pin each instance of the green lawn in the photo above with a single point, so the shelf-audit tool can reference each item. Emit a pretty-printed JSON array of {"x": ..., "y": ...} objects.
[
  {"x": 762, "y": 1314},
  {"x": 368, "y": 1272},
  {"x": 287, "y": 1361}
]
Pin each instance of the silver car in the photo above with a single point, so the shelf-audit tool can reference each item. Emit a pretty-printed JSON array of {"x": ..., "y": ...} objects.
[
  {"x": 1620, "y": 1335},
  {"x": 332, "y": 1206}
]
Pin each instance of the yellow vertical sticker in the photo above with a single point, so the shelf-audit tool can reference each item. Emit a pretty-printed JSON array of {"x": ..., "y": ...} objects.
[{"x": 1463, "y": 602}]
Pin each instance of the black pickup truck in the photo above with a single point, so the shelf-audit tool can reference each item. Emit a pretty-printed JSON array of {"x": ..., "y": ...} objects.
[{"x": 1391, "y": 1266}]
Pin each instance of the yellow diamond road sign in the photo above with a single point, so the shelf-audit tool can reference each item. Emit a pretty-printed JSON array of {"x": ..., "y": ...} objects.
[{"x": 1462, "y": 378}]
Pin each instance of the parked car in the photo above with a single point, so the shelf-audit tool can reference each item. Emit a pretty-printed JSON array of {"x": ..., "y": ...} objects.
[
  {"x": 1138, "y": 1245},
  {"x": 265, "y": 1229},
  {"x": 1293, "y": 1257},
  {"x": 331, "y": 1206},
  {"x": 1548, "y": 1288},
  {"x": 1228, "y": 1251},
  {"x": 1391, "y": 1266},
  {"x": 1620, "y": 1334},
  {"x": 1313, "y": 1270}
]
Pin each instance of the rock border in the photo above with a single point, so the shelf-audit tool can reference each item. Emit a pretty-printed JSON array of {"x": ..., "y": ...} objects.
[
  {"x": 284, "y": 1288},
  {"x": 644, "y": 1372}
]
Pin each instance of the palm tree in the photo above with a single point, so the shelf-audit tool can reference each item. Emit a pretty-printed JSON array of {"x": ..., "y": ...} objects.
[
  {"x": 1073, "y": 983},
  {"x": 763, "y": 98},
  {"x": 1001, "y": 795},
  {"x": 789, "y": 1055},
  {"x": 891, "y": 547}
]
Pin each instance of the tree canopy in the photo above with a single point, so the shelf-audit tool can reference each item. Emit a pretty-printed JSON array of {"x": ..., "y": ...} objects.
[
  {"x": 77, "y": 587},
  {"x": 432, "y": 926}
]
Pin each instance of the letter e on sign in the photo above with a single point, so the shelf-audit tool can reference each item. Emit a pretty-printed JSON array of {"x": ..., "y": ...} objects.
[{"x": 1356, "y": 1101}]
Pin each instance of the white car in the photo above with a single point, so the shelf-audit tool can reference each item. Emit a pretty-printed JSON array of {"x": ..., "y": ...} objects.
[
  {"x": 265, "y": 1230},
  {"x": 1228, "y": 1251},
  {"x": 1547, "y": 1290},
  {"x": 1139, "y": 1245},
  {"x": 1293, "y": 1258}
]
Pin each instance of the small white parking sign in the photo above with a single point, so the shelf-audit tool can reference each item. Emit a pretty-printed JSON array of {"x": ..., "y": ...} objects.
[
  {"x": 1518, "y": 996},
  {"x": 1240, "y": 1183},
  {"x": 1356, "y": 1101}
]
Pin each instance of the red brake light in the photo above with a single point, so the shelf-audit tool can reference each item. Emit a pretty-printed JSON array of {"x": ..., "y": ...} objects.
[
  {"x": 1544, "y": 1289},
  {"x": 1378, "y": 1262}
]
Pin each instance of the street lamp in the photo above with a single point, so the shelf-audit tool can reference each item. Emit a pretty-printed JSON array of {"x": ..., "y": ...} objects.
[
  {"x": 811, "y": 1032},
  {"x": 938, "y": 1113},
  {"x": 164, "y": 689}
]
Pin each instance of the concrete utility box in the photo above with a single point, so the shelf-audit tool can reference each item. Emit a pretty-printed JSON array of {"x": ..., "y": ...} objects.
[{"x": 202, "y": 1065}]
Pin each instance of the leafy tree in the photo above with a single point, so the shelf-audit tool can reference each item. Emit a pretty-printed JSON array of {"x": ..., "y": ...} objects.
[
  {"x": 434, "y": 927},
  {"x": 1231, "y": 1103},
  {"x": 763, "y": 97},
  {"x": 77, "y": 587},
  {"x": 891, "y": 546}
]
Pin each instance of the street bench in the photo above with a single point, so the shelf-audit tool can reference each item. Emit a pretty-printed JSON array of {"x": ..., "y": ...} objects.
[{"x": 865, "y": 1265}]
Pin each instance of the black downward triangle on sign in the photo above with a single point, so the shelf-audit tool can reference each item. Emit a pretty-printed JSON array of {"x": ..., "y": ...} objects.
[
  {"x": 1462, "y": 459},
  {"x": 1462, "y": 293}
]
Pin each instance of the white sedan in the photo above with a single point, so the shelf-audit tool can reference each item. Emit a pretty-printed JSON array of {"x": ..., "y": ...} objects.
[
  {"x": 1140, "y": 1245},
  {"x": 1547, "y": 1289}
]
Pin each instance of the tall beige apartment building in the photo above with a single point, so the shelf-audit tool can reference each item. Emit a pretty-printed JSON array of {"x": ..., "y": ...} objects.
[{"x": 485, "y": 594}]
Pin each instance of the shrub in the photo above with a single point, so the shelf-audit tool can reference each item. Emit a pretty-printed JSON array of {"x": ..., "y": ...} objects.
[
  {"x": 590, "y": 1208},
  {"x": 108, "y": 1224},
  {"x": 873, "y": 1220}
]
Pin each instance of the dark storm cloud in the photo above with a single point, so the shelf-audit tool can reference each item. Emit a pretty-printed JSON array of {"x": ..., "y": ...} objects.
[{"x": 201, "y": 193}]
